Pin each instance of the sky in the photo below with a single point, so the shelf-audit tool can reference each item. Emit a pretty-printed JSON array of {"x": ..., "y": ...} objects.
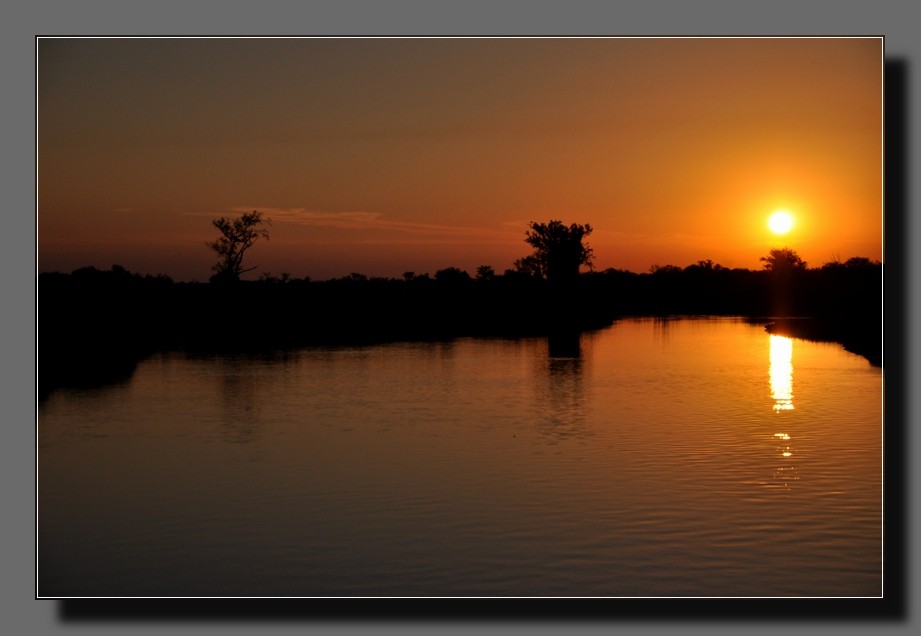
[{"x": 382, "y": 156}]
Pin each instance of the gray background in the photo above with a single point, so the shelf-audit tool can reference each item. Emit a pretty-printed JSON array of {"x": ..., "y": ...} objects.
[{"x": 21, "y": 21}]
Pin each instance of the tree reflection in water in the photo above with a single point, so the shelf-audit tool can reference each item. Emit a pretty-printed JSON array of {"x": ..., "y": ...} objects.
[
  {"x": 241, "y": 401},
  {"x": 561, "y": 389}
]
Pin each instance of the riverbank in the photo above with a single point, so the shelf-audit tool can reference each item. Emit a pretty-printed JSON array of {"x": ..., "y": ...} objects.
[
  {"x": 94, "y": 326},
  {"x": 857, "y": 335}
]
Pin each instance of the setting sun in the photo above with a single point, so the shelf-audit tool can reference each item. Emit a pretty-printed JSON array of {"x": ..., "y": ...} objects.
[
  {"x": 575, "y": 283},
  {"x": 780, "y": 222},
  {"x": 437, "y": 152}
]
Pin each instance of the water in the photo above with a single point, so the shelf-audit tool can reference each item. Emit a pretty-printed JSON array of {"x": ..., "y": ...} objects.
[{"x": 660, "y": 458}]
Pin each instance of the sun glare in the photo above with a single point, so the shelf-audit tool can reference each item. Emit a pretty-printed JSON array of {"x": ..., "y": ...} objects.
[{"x": 780, "y": 222}]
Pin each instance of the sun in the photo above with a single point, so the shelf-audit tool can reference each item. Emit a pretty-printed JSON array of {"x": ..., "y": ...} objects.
[{"x": 780, "y": 222}]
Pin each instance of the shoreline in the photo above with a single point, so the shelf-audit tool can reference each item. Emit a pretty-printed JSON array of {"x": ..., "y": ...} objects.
[
  {"x": 94, "y": 326},
  {"x": 859, "y": 337},
  {"x": 85, "y": 368}
]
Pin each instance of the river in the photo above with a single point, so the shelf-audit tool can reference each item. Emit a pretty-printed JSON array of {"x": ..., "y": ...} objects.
[{"x": 653, "y": 458}]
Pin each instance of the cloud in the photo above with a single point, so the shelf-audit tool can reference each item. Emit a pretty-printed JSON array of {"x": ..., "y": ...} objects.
[
  {"x": 604, "y": 236},
  {"x": 302, "y": 216},
  {"x": 377, "y": 221}
]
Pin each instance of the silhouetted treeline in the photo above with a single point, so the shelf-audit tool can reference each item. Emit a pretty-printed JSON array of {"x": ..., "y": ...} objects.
[{"x": 95, "y": 325}]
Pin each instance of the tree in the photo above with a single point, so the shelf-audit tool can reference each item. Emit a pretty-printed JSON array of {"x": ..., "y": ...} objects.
[
  {"x": 452, "y": 276},
  {"x": 559, "y": 251},
  {"x": 787, "y": 275},
  {"x": 783, "y": 261},
  {"x": 861, "y": 262},
  {"x": 529, "y": 266},
  {"x": 237, "y": 236},
  {"x": 485, "y": 272}
]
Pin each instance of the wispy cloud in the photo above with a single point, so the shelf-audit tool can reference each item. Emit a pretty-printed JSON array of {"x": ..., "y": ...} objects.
[
  {"x": 647, "y": 238},
  {"x": 608, "y": 236},
  {"x": 376, "y": 221},
  {"x": 302, "y": 216}
]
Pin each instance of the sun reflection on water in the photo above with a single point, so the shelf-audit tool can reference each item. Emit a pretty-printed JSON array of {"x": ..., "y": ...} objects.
[
  {"x": 781, "y": 372},
  {"x": 786, "y": 472}
]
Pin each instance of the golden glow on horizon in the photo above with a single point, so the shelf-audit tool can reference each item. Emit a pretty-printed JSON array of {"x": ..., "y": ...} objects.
[
  {"x": 780, "y": 222},
  {"x": 382, "y": 156}
]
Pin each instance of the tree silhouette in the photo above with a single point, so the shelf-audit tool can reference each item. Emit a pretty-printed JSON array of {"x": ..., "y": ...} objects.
[
  {"x": 529, "y": 266},
  {"x": 782, "y": 261},
  {"x": 237, "y": 236},
  {"x": 559, "y": 251},
  {"x": 787, "y": 274},
  {"x": 485, "y": 272},
  {"x": 452, "y": 276}
]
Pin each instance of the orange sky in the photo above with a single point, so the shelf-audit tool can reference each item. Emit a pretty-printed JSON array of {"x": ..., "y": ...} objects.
[{"x": 382, "y": 156}]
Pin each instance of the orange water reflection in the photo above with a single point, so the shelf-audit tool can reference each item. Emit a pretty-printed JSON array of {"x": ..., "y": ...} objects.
[
  {"x": 781, "y": 375},
  {"x": 787, "y": 471},
  {"x": 471, "y": 469},
  {"x": 781, "y": 372}
]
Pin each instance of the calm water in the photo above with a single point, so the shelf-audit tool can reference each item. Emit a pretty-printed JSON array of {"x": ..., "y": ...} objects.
[{"x": 669, "y": 458}]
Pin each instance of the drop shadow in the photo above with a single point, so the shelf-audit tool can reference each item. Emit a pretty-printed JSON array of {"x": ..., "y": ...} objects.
[
  {"x": 467, "y": 610},
  {"x": 895, "y": 334},
  {"x": 891, "y": 608}
]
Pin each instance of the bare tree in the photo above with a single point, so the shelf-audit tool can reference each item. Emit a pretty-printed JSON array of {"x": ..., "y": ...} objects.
[{"x": 237, "y": 236}]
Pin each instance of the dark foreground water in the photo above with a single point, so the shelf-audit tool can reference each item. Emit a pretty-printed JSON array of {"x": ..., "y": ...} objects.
[{"x": 657, "y": 458}]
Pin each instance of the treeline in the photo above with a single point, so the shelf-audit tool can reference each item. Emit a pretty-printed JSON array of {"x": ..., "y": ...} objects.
[{"x": 95, "y": 325}]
